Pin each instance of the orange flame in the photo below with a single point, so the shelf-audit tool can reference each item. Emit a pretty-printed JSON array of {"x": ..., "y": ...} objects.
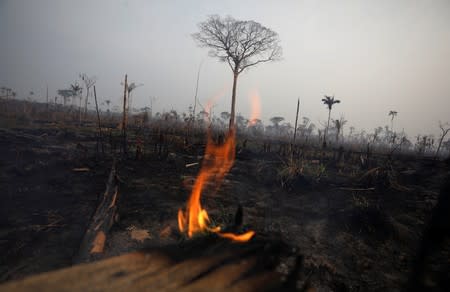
[{"x": 217, "y": 163}]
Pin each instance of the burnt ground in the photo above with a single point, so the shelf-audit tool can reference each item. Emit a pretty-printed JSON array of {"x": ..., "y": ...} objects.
[
  {"x": 45, "y": 206},
  {"x": 357, "y": 240}
]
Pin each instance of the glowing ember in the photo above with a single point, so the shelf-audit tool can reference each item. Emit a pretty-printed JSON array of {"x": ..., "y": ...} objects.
[{"x": 217, "y": 162}]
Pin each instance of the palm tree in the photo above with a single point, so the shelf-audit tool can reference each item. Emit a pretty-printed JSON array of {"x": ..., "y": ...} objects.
[
  {"x": 132, "y": 86},
  {"x": 76, "y": 91},
  {"x": 108, "y": 103},
  {"x": 393, "y": 114},
  {"x": 329, "y": 102}
]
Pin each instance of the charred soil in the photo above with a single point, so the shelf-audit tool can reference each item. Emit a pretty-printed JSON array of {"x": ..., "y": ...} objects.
[{"x": 357, "y": 231}]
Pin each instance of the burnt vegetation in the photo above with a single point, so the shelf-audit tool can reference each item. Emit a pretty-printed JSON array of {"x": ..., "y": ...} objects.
[
  {"x": 357, "y": 203},
  {"x": 364, "y": 209}
]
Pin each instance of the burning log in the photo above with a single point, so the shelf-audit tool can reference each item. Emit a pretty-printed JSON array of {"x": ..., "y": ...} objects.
[
  {"x": 94, "y": 239},
  {"x": 208, "y": 263}
]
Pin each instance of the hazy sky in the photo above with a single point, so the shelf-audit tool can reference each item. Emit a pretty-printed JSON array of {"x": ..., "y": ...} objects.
[{"x": 372, "y": 55}]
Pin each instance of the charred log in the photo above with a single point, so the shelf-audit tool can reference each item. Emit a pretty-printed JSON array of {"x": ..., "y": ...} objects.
[
  {"x": 204, "y": 264},
  {"x": 95, "y": 237}
]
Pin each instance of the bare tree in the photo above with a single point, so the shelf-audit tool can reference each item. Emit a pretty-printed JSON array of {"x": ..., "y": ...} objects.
[
  {"x": 124, "y": 116},
  {"x": 445, "y": 128},
  {"x": 296, "y": 122},
  {"x": 196, "y": 88},
  {"x": 339, "y": 125},
  {"x": 376, "y": 134},
  {"x": 241, "y": 44},
  {"x": 88, "y": 83}
]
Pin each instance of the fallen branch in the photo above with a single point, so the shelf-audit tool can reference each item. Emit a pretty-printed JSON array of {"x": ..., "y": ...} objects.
[{"x": 95, "y": 237}]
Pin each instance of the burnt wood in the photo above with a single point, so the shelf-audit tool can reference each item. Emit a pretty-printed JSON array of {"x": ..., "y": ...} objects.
[
  {"x": 94, "y": 239},
  {"x": 204, "y": 264}
]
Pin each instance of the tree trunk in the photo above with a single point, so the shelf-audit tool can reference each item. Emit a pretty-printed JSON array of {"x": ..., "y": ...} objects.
[
  {"x": 93, "y": 242},
  {"x": 48, "y": 111},
  {"x": 326, "y": 130},
  {"x": 124, "y": 117},
  {"x": 196, "y": 90},
  {"x": 438, "y": 149},
  {"x": 440, "y": 143},
  {"x": 100, "y": 135},
  {"x": 296, "y": 121},
  {"x": 79, "y": 112},
  {"x": 86, "y": 102},
  {"x": 233, "y": 101}
]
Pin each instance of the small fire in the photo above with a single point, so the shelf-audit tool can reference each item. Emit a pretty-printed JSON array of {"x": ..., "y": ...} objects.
[{"x": 217, "y": 163}]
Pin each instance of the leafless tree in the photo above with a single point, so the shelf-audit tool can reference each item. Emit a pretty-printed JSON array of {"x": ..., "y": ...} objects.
[
  {"x": 445, "y": 128},
  {"x": 399, "y": 142},
  {"x": 296, "y": 121},
  {"x": 88, "y": 83},
  {"x": 376, "y": 134},
  {"x": 241, "y": 44},
  {"x": 196, "y": 87},
  {"x": 339, "y": 125}
]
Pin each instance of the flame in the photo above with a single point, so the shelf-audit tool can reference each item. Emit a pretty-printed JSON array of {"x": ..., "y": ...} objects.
[
  {"x": 217, "y": 163},
  {"x": 256, "y": 107}
]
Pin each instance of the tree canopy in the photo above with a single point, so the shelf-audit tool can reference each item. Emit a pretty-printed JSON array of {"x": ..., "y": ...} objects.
[{"x": 239, "y": 43}]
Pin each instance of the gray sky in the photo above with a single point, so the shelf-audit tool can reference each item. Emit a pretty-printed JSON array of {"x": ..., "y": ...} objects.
[{"x": 373, "y": 55}]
